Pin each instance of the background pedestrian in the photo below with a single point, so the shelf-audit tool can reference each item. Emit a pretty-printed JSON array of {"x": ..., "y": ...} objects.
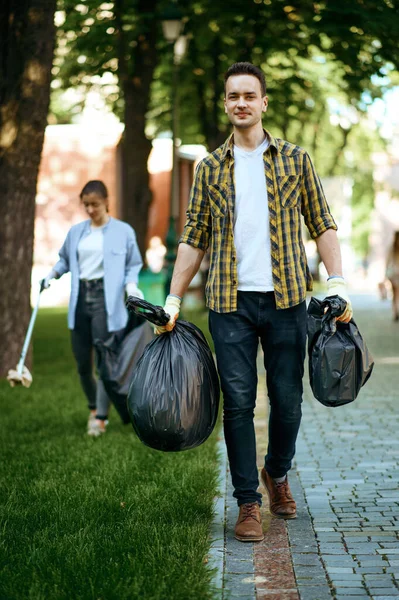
[
  {"x": 104, "y": 260},
  {"x": 392, "y": 273}
]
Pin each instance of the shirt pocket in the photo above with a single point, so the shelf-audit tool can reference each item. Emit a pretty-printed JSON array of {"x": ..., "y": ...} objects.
[
  {"x": 218, "y": 195},
  {"x": 119, "y": 251},
  {"x": 290, "y": 190}
]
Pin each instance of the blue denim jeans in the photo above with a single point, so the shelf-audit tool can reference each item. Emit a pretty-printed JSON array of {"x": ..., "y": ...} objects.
[
  {"x": 90, "y": 324},
  {"x": 236, "y": 336}
]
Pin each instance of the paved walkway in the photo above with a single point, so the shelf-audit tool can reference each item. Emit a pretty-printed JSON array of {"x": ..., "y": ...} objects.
[{"x": 345, "y": 542}]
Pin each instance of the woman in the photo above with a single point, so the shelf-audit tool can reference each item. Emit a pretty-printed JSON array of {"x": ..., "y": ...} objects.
[
  {"x": 104, "y": 260},
  {"x": 392, "y": 273}
]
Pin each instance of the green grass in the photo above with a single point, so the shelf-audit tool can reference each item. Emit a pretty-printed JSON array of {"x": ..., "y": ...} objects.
[{"x": 96, "y": 519}]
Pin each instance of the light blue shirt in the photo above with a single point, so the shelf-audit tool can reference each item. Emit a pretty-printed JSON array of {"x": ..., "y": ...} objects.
[{"x": 122, "y": 265}]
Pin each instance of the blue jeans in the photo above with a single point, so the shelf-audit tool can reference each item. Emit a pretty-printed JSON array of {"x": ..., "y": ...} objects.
[
  {"x": 90, "y": 324},
  {"x": 236, "y": 335}
]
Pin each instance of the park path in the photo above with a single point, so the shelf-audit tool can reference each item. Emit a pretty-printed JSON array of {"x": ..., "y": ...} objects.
[{"x": 345, "y": 542}]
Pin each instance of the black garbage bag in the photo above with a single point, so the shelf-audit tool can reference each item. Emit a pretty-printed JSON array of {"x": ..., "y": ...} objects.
[
  {"x": 339, "y": 360},
  {"x": 173, "y": 399},
  {"x": 117, "y": 358}
]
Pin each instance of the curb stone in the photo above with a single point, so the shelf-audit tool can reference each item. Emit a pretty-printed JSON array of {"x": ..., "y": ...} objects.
[
  {"x": 233, "y": 561},
  {"x": 216, "y": 554}
]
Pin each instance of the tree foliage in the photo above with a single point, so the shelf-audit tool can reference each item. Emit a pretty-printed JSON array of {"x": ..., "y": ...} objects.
[
  {"x": 291, "y": 41},
  {"x": 310, "y": 51},
  {"x": 115, "y": 43}
]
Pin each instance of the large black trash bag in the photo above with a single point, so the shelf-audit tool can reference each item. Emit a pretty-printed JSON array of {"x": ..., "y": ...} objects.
[
  {"x": 339, "y": 360},
  {"x": 173, "y": 399},
  {"x": 117, "y": 358}
]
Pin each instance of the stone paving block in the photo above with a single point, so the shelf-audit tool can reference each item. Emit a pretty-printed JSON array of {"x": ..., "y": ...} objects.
[
  {"x": 344, "y": 560},
  {"x": 319, "y": 580},
  {"x": 372, "y": 561},
  {"x": 360, "y": 596},
  {"x": 370, "y": 570},
  {"x": 239, "y": 584},
  {"x": 363, "y": 547},
  {"x": 384, "y": 592},
  {"x": 329, "y": 536},
  {"x": 305, "y": 559},
  {"x": 346, "y": 591},
  {"x": 311, "y": 592},
  {"x": 297, "y": 547},
  {"x": 380, "y": 583},
  {"x": 335, "y": 552},
  {"x": 378, "y": 577},
  {"x": 309, "y": 571},
  {"x": 344, "y": 576},
  {"x": 344, "y": 528},
  {"x": 384, "y": 536},
  {"x": 239, "y": 566},
  {"x": 347, "y": 583},
  {"x": 339, "y": 570},
  {"x": 351, "y": 542},
  {"x": 324, "y": 511},
  {"x": 330, "y": 549},
  {"x": 351, "y": 522}
]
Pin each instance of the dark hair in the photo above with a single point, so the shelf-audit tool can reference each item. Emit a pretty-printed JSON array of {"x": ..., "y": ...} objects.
[
  {"x": 246, "y": 68},
  {"x": 396, "y": 241},
  {"x": 94, "y": 187}
]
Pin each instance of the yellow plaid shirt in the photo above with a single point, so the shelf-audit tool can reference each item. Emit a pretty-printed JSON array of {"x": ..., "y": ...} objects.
[{"x": 293, "y": 188}]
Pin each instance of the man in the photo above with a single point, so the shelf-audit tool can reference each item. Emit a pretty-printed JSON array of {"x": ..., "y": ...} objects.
[{"x": 246, "y": 204}]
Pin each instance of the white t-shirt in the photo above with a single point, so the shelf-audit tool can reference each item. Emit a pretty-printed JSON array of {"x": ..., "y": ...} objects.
[
  {"x": 251, "y": 221},
  {"x": 91, "y": 254}
]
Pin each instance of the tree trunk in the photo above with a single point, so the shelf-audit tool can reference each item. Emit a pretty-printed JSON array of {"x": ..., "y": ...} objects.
[
  {"x": 26, "y": 50},
  {"x": 218, "y": 132},
  {"x": 136, "y": 75},
  {"x": 200, "y": 84},
  {"x": 136, "y": 148}
]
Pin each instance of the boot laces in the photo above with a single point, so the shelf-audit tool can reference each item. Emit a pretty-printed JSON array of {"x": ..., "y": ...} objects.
[
  {"x": 282, "y": 488},
  {"x": 249, "y": 511}
]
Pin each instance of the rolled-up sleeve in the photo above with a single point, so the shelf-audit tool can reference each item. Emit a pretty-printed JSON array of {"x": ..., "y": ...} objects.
[
  {"x": 62, "y": 265},
  {"x": 197, "y": 229},
  {"x": 315, "y": 209},
  {"x": 134, "y": 261}
]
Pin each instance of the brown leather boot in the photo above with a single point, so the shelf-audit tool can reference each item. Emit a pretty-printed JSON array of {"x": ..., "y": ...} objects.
[
  {"x": 249, "y": 523},
  {"x": 282, "y": 504}
]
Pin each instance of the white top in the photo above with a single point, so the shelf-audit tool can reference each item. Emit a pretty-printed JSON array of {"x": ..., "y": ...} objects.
[
  {"x": 251, "y": 221},
  {"x": 91, "y": 254}
]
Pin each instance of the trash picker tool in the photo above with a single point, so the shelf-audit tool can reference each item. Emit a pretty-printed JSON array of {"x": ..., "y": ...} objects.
[{"x": 21, "y": 375}]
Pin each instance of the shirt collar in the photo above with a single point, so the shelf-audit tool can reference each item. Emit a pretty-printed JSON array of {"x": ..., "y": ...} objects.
[
  {"x": 87, "y": 225},
  {"x": 228, "y": 146}
]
